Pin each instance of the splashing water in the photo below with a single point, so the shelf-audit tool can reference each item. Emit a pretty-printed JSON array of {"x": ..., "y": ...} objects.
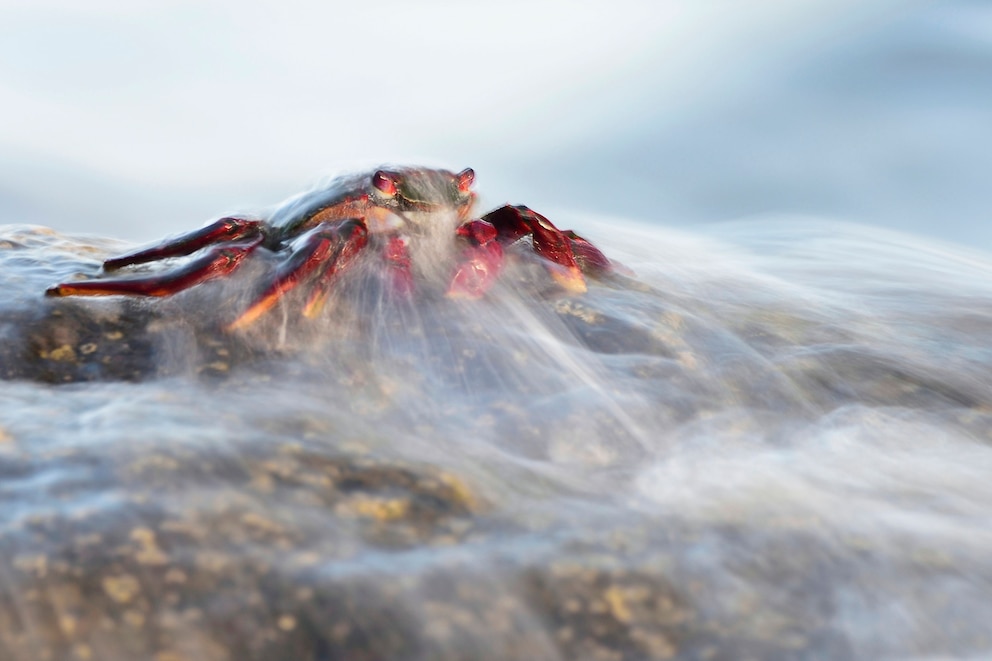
[{"x": 772, "y": 439}]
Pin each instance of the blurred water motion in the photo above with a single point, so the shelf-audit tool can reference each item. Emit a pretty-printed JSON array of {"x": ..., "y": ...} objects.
[{"x": 774, "y": 439}]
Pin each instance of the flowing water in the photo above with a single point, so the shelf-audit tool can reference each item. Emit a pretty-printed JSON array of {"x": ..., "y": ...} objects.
[{"x": 769, "y": 440}]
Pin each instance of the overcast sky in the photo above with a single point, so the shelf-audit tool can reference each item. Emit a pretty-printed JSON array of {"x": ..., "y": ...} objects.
[{"x": 138, "y": 119}]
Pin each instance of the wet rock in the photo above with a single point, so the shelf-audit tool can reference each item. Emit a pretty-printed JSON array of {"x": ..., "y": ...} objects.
[
  {"x": 637, "y": 473},
  {"x": 295, "y": 553}
]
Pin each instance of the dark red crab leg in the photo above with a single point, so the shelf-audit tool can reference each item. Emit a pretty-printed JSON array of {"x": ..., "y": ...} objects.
[
  {"x": 589, "y": 257},
  {"x": 481, "y": 262},
  {"x": 514, "y": 222},
  {"x": 325, "y": 251},
  {"x": 225, "y": 229},
  {"x": 353, "y": 236},
  {"x": 399, "y": 267},
  {"x": 217, "y": 261}
]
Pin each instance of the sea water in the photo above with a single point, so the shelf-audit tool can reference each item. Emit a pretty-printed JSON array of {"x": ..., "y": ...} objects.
[{"x": 787, "y": 422}]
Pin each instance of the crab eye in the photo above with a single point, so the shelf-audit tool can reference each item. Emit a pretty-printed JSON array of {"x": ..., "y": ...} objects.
[
  {"x": 465, "y": 179},
  {"x": 385, "y": 182}
]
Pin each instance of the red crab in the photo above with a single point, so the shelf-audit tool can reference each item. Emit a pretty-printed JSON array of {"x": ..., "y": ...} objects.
[{"x": 320, "y": 234}]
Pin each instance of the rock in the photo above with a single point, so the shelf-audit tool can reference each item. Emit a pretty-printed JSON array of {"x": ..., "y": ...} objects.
[{"x": 704, "y": 467}]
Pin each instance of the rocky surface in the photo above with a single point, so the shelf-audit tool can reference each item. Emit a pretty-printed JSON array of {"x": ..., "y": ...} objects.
[{"x": 704, "y": 467}]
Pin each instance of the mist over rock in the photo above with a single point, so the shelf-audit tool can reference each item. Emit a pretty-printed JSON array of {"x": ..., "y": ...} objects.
[{"x": 770, "y": 440}]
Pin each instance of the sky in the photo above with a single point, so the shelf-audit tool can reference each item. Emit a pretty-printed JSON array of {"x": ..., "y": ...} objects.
[{"x": 135, "y": 120}]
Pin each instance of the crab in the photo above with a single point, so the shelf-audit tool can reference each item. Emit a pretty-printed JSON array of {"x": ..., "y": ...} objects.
[{"x": 319, "y": 235}]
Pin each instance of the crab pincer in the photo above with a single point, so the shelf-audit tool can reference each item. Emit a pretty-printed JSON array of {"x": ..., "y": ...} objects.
[{"x": 481, "y": 262}]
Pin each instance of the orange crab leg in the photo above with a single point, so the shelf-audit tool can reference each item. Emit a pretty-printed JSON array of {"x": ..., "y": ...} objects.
[
  {"x": 225, "y": 229},
  {"x": 218, "y": 261},
  {"x": 324, "y": 250},
  {"x": 514, "y": 222}
]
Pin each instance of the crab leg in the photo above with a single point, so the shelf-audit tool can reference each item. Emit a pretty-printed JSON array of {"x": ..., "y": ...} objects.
[
  {"x": 353, "y": 236},
  {"x": 324, "y": 251},
  {"x": 514, "y": 222},
  {"x": 590, "y": 258},
  {"x": 218, "y": 261},
  {"x": 225, "y": 229},
  {"x": 482, "y": 260},
  {"x": 399, "y": 266}
]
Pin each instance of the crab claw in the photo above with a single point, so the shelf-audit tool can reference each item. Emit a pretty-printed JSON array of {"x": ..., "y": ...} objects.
[
  {"x": 481, "y": 263},
  {"x": 514, "y": 222}
]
